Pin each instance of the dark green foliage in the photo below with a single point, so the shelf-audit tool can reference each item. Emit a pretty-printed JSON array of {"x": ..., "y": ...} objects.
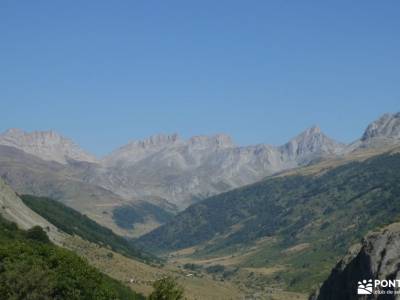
[
  {"x": 215, "y": 269},
  {"x": 125, "y": 216},
  {"x": 39, "y": 271},
  {"x": 73, "y": 222},
  {"x": 328, "y": 212},
  {"x": 192, "y": 267},
  {"x": 166, "y": 289},
  {"x": 38, "y": 234}
]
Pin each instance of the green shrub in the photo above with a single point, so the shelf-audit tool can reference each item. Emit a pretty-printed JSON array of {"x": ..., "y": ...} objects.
[
  {"x": 166, "y": 289},
  {"x": 38, "y": 234}
]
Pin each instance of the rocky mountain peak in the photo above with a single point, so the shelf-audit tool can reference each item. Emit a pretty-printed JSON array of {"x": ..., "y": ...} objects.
[
  {"x": 309, "y": 133},
  {"x": 215, "y": 141},
  {"x": 309, "y": 143},
  {"x": 315, "y": 129},
  {"x": 387, "y": 126},
  {"x": 138, "y": 150},
  {"x": 13, "y": 132},
  {"x": 47, "y": 145},
  {"x": 157, "y": 140}
]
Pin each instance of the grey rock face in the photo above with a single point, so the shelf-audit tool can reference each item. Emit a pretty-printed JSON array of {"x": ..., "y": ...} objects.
[
  {"x": 48, "y": 145},
  {"x": 378, "y": 257},
  {"x": 13, "y": 209},
  {"x": 182, "y": 170},
  {"x": 138, "y": 150},
  {"x": 387, "y": 126},
  {"x": 383, "y": 132},
  {"x": 309, "y": 145},
  {"x": 28, "y": 174}
]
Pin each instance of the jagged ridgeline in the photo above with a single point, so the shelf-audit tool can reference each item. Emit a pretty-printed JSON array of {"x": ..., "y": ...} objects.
[
  {"x": 305, "y": 222},
  {"x": 33, "y": 268},
  {"x": 73, "y": 222}
]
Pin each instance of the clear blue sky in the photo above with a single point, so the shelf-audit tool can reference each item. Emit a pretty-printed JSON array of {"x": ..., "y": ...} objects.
[{"x": 106, "y": 72}]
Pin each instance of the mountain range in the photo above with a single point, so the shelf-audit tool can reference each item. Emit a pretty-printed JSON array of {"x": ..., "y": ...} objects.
[
  {"x": 263, "y": 218},
  {"x": 162, "y": 174}
]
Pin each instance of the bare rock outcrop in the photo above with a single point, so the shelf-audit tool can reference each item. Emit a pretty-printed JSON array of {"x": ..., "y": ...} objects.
[
  {"x": 377, "y": 257},
  {"x": 13, "y": 209}
]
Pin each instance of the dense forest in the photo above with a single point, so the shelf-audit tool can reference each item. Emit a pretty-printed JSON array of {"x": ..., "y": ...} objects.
[{"x": 33, "y": 268}]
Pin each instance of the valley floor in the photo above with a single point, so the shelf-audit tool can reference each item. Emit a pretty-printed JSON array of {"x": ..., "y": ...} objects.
[
  {"x": 140, "y": 276},
  {"x": 248, "y": 280}
]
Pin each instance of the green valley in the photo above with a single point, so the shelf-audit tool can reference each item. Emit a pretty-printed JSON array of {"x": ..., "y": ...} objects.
[{"x": 293, "y": 227}]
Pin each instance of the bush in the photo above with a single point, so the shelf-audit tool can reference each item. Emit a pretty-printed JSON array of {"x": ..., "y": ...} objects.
[
  {"x": 38, "y": 234},
  {"x": 166, "y": 289}
]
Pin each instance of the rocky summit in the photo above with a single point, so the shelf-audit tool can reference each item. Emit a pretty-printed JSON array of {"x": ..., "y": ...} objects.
[
  {"x": 47, "y": 145},
  {"x": 387, "y": 126},
  {"x": 182, "y": 171}
]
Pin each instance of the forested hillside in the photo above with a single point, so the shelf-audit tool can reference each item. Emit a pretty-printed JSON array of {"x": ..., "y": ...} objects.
[
  {"x": 73, "y": 222},
  {"x": 33, "y": 268},
  {"x": 309, "y": 220}
]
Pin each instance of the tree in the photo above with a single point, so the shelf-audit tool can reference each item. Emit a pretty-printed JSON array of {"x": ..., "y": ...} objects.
[
  {"x": 38, "y": 234},
  {"x": 166, "y": 289}
]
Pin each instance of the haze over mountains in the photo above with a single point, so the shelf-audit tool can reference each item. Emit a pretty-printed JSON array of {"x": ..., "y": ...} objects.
[{"x": 166, "y": 171}]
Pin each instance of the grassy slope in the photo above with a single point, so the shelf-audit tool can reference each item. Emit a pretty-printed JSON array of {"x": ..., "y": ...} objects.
[
  {"x": 40, "y": 270},
  {"x": 117, "y": 266},
  {"x": 143, "y": 275},
  {"x": 73, "y": 222},
  {"x": 325, "y": 213}
]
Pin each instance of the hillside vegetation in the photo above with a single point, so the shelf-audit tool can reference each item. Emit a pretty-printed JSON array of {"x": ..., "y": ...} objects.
[
  {"x": 73, "y": 222},
  {"x": 126, "y": 216},
  {"x": 300, "y": 223},
  {"x": 33, "y": 268}
]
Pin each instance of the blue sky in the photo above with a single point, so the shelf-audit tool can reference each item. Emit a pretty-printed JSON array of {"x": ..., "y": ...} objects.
[{"x": 106, "y": 72}]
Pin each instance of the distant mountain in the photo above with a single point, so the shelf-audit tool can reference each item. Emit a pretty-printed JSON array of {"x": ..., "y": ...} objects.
[
  {"x": 28, "y": 174},
  {"x": 164, "y": 170},
  {"x": 310, "y": 144},
  {"x": 47, "y": 145},
  {"x": 377, "y": 257},
  {"x": 387, "y": 126},
  {"x": 385, "y": 131},
  {"x": 181, "y": 171}
]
